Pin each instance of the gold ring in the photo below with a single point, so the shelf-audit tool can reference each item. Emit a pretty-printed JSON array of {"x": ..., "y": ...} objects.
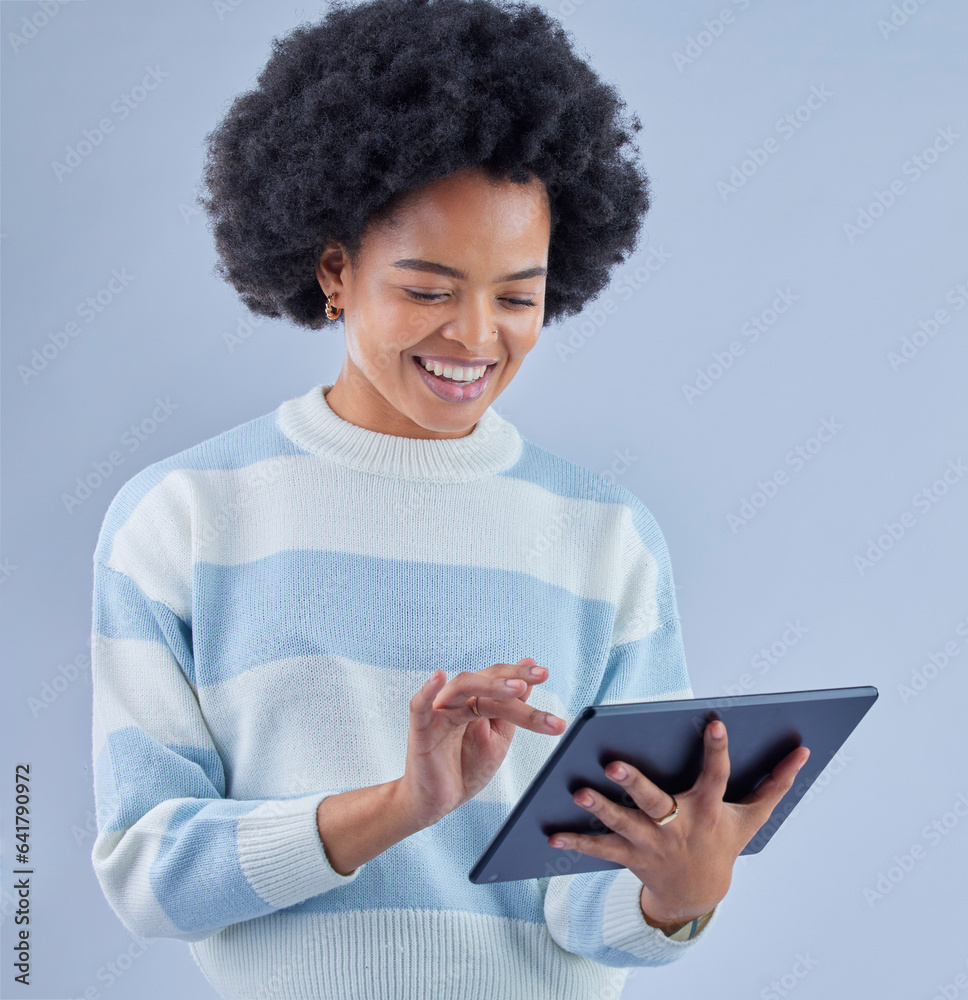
[
  {"x": 473, "y": 706},
  {"x": 671, "y": 815}
]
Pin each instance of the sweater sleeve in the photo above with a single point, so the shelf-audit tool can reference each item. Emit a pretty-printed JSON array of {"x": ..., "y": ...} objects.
[
  {"x": 174, "y": 857},
  {"x": 598, "y": 914}
]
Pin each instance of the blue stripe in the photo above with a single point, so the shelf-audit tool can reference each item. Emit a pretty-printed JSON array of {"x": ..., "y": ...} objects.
[
  {"x": 646, "y": 668},
  {"x": 133, "y": 773},
  {"x": 122, "y": 610},
  {"x": 196, "y": 876},
  {"x": 392, "y": 614},
  {"x": 563, "y": 478},
  {"x": 429, "y": 872},
  {"x": 255, "y": 440}
]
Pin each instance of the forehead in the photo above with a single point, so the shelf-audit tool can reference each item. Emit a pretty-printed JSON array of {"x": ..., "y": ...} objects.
[{"x": 472, "y": 214}]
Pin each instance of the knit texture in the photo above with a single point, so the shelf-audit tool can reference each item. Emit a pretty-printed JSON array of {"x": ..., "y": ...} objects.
[{"x": 266, "y": 603}]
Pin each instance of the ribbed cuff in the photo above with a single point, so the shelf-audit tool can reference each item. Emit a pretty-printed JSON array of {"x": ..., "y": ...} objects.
[
  {"x": 282, "y": 854},
  {"x": 624, "y": 925}
]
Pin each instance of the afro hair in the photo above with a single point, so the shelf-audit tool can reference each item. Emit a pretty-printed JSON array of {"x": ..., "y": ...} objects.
[{"x": 382, "y": 97}]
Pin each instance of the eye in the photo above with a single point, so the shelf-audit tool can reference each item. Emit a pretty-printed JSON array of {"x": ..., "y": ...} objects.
[{"x": 436, "y": 296}]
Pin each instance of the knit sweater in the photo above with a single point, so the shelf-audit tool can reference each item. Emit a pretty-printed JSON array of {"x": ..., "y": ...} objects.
[{"x": 265, "y": 605}]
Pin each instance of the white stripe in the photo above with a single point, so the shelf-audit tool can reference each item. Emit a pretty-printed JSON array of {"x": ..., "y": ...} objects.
[
  {"x": 238, "y": 520},
  {"x": 154, "y": 546},
  {"x": 139, "y": 683},
  {"x": 383, "y": 954},
  {"x": 624, "y": 926},
  {"x": 122, "y": 862},
  {"x": 234, "y": 517},
  {"x": 556, "y": 908},
  {"x": 345, "y": 712},
  {"x": 281, "y": 853}
]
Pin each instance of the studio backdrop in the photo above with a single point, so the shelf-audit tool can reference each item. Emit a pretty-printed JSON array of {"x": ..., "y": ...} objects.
[{"x": 778, "y": 373}]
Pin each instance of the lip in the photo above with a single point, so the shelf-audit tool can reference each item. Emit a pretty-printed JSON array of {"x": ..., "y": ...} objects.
[
  {"x": 456, "y": 362},
  {"x": 450, "y": 391}
]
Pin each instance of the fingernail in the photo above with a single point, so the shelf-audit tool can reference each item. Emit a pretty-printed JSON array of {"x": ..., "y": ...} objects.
[
  {"x": 618, "y": 772},
  {"x": 536, "y": 671},
  {"x": 553, "y": 720},
  {"x": 514, "y": 684},
  {"x": 716, "y": 730}
]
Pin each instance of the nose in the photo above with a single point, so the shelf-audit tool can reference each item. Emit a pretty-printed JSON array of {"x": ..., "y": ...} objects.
[{"x": 475, "y": 326}]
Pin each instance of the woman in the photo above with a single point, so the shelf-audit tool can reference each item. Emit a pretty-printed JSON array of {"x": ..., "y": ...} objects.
[{"x": 317, "y": 634}]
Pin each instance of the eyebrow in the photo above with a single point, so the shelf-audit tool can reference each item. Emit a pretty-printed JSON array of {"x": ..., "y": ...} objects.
[{"x": 417, "y": 264}]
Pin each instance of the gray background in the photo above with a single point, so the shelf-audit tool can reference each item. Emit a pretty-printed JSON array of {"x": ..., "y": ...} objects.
[{"x": 127, "y": 206}]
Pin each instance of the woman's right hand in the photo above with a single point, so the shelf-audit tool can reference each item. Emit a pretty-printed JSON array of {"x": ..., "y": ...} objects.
[{"x": 451, "y": 752}]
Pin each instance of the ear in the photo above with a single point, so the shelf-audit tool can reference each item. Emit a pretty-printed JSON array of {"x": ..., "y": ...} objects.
[{"x": 330, "y": 267}]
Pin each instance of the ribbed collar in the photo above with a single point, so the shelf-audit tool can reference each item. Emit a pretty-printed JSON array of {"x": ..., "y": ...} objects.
[{"x": 493, "y": 445}]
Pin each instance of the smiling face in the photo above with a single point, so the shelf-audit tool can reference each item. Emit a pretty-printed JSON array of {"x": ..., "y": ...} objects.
[{"x": 455, "y": 276}]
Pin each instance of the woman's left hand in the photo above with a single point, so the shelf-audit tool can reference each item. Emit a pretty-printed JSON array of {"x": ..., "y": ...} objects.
[{"x": 685, "y": 865}]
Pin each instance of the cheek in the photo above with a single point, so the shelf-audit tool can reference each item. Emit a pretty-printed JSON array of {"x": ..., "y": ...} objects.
[
  {"x": 521, "y": 345},
  {"x": 395, "y": 329},
  {"x": 378, "y": 340}
]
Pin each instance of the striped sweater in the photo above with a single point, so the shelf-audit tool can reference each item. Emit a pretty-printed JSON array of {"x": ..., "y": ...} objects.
[{"x": 265, "y": 605}]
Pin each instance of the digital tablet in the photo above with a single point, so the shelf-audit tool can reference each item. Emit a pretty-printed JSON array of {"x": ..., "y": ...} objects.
[{"x": 664, "y": 740}]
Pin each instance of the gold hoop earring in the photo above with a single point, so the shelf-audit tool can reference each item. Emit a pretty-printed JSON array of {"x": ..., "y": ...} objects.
[{"x": 331, "y": 311}]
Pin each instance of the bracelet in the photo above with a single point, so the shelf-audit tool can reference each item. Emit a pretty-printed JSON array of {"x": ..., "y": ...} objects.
[{"x": 691, "y": 929}]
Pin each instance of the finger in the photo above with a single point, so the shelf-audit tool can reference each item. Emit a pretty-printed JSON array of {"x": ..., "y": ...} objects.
[
  {"x": 770, "y": 790},
  {"x": 465, "y": 685},
  {"x": 627, "y": 823},
  {"x": 497, "y": 700},
  {"x": 607, "y": 846},
  {"x": 492, "y": 683},
  {"x": 518, "y": 713},
  {"x": 527, "y": 669},
  {"x": 536, "y": 675},
  {"x": 645, "y": 794},
  {"x": 711, "y": 783},
  {"x": 421, "y": 704}
]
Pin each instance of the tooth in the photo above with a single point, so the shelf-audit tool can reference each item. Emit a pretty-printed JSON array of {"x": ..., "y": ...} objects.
[{"x": 466, "y": 374}]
